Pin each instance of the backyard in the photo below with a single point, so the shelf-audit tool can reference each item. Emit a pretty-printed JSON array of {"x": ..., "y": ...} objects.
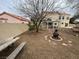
[
  {"x": 31, "y": 29},
  {"x": 38, "y": 47}
]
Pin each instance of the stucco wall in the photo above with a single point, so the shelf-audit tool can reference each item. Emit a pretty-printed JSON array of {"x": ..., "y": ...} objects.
[
  {"x": 8, "y": 30},
  {"x": 55, "y": 17},
  {"x": 64, "y": 21}
]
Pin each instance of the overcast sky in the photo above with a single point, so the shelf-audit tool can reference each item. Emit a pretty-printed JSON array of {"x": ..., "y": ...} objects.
[{"x": 5, "y": 6}]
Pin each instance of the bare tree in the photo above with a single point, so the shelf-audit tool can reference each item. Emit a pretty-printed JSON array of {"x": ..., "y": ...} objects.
[
  {"x": 35, "y": 9},
  {"x": 74, "y": 4}
]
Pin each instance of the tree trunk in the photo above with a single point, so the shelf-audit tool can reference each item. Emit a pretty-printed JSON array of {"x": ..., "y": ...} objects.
[{"x": 37, "y": 29}]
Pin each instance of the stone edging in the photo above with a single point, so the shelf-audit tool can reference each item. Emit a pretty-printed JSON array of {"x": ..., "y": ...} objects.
[{"x": 55, "y": 39}]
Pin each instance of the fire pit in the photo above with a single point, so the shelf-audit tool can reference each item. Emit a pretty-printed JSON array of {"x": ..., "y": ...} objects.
[{"x": 56, "y": 36}]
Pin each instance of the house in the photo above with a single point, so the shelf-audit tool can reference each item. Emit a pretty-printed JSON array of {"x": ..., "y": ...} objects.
[
  {"x": 10, "y": 18},
  {"x": 57, "y": 20},
  {"x": 76, "y": 21}
]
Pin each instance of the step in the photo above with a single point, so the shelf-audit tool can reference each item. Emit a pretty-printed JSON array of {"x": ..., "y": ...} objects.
[
  {"x": 16, "y": 51},
  {"x": 5, "y": 45}
]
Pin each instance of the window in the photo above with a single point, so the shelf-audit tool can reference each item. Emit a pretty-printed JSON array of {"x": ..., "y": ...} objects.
[
  {"x": 50, "y": 23},
  {"x": 59, "y": 17},
  {"x": 62, "y": 23},
  {"x": 48, "y": 19},
  {"x": 55, "y": 23},
  {"x": 66, "y": 24},
  {"x": 67, "y": 18},
  {"x": 63, "y": 17}
]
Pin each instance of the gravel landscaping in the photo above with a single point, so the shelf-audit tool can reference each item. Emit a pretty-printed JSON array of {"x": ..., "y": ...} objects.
[{"x": 38, "y": 47}]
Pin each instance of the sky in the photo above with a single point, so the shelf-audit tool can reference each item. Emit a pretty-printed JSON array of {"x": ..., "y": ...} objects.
[{"x": 6, "y": 4}]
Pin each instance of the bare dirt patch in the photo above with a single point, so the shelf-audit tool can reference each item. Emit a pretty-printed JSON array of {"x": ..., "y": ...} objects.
[{"x": 39, "y": 48}]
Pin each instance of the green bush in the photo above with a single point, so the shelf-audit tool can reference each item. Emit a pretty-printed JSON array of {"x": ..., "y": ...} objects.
[{"x": 31, "y": 27}]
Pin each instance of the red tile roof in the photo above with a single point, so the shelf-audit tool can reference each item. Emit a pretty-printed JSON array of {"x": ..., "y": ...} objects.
[{"x": 17, "y": 17}]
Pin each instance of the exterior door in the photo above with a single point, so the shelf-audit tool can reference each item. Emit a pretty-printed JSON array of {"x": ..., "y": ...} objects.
[{"x": 50, "y": 25}]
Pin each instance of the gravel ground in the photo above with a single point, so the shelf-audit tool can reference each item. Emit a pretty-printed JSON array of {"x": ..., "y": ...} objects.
[{"x": 39, "y": 48}]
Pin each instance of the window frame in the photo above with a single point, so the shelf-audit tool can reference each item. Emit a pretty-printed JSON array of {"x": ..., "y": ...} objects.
[
  {"x": 59, "y": 17},
  {"x": 63, "y": 17}
]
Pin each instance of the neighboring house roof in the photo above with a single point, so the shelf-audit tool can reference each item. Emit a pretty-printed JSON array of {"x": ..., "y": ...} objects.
[
  {"x": 17, "y": 17},
  {"x": 76, "y": 21},
  {"x": 48, "y": 12}
]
